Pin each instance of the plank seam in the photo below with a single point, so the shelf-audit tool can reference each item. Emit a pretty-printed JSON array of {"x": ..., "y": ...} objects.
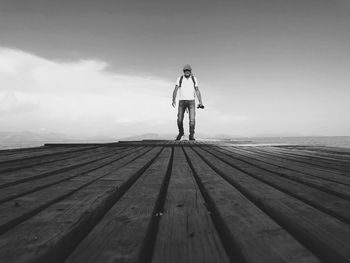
[
  {"x": 57, "y": 171},
  {"x": 284, "y": 176},
  {"x": 301, "y": 198},
  {"x": 322, "y": 255},
  {"x": 50, "y": 154},
  {"x": 235, "y": 254},
  {"x": 7, "y": 226},
  {"x": 248, "y": 153},
  {"x": 78, "y": 232},
  {"x": 148, "y": 244},
  {"x": 322, "y": 163},
  {"x": 69, "y": 178},
  {"x": 41, "y": 163}
]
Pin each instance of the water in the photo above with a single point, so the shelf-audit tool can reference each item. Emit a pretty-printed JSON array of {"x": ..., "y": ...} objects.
[{"x": 335, "y": 141}]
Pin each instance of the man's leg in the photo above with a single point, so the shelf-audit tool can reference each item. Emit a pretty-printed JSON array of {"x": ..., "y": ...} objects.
[
  {"x": 180, "y": 119},
  {"x": 192, "y": 113}
]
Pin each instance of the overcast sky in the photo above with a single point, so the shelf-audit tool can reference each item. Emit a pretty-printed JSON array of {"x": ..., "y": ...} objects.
[{"x": 108, "y": 67}]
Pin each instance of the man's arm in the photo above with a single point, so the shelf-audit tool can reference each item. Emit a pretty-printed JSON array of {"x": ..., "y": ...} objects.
[
  {"x": 198, "y": 93},
  {"x": 174, "y": 95}
]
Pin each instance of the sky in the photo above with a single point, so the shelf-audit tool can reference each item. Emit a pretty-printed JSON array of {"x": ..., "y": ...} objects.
[{"x": 108, "y": 68}]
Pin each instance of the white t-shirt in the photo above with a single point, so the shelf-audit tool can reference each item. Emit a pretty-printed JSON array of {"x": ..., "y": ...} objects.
[{"x": 186, "y": 91}]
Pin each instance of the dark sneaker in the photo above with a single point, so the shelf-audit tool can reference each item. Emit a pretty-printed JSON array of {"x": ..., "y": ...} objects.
[
  {"x": 192, "y": 138},
  {"x": 178, "y": 138}
]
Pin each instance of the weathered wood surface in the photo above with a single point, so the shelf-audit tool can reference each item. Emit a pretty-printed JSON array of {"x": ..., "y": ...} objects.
[
  {"x": 175, "y": 201},
  {"x": 186, "y": 232}
]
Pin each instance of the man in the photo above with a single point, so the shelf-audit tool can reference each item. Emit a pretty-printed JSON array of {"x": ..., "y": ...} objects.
[{"x": 187, "y": 85}]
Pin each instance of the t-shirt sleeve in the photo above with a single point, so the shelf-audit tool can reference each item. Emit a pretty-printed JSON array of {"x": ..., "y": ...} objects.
[{"x": 178, "y": 81}]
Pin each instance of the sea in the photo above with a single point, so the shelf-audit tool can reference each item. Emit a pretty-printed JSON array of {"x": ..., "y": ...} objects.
[{"x": 333, "y": 141}]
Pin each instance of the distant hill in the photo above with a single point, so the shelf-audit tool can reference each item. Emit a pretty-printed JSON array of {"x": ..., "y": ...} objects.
[{"x": 28, "y": 139}]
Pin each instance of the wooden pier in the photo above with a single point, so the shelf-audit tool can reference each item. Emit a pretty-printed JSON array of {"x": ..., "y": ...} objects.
[{"x": 166, "y": 201}]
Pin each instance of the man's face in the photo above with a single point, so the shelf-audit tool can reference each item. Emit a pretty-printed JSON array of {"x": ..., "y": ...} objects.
[{"x": 187, "y": 73}]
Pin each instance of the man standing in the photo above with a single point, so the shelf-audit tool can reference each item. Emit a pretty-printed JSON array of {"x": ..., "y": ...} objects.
[{"x": 187, "y": 85}]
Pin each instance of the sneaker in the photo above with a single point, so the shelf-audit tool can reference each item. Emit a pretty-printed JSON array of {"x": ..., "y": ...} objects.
[
  {"x": 178, "y": 138},
  {"x": 192, "y": 138}
]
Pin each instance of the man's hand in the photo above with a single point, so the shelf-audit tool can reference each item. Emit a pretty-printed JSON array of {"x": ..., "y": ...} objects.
[
  {"x": 200, "y": 106},
  {"x": 174, "y": 103}
]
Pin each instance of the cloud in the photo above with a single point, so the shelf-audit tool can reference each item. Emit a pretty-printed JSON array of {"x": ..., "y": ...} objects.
[
  {"x": 77, "y": 96},
  {"x": 11, "y": 104},
  {"x": 83, "y": 98}
]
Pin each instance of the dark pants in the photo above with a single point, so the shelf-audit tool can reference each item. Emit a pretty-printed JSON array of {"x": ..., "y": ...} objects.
[{"x": 191, "y": 106}]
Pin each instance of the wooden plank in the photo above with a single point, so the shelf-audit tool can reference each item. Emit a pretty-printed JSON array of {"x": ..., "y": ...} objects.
[
  {"x": 334, "y": 186},
  {"x": 124, "y": 232},
  {"x": 324, "y": 235},
  {"x": 7, "y": 152},
  {"x": 328, "y": 149},
  {"x": 330, "y": 155},
  {"x": 46, "y": 159},
  {"x": 34, "y": 173},
  {"x": 60, "y": 145},
  {"x": 340, "y": 162},
  {"x": 51, "y": 235},
  {"x": 309, "y": 160},
  {"x": 186, "y": 232},
  {"x": 249, "y": 234},
  {"x": 15, "y": 211},
  {"x": 328, "y": 203},
  {"x": 160, "y": 143},
  {"x": 17, "y": 190},
  {"x": 330, "y": 167},
  {"x": 40, "y": 152},
  {"x": 323, "y": 152},
  {"x": 20, "y": 189},
  {"x": 260, "y": 154},
  {"x": 17, "y": 171}
]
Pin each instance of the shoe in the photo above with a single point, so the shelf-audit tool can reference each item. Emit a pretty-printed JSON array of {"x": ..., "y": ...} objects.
[
  {"x": 178, "y": 138},
  {"x": 192, "y": 138}
]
